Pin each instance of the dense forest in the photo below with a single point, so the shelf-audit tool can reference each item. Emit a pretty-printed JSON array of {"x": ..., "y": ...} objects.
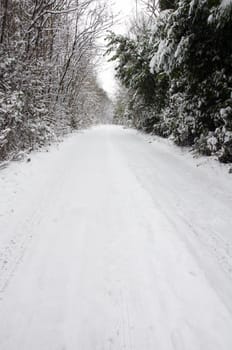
[
  {"x": 48, "y": 83},
  {"x": 175, "y": 70},
  {"x": 174, "y": 66}
]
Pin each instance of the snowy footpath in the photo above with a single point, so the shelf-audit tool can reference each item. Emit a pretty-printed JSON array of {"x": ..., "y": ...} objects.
[{"x": 115, "y": 240}]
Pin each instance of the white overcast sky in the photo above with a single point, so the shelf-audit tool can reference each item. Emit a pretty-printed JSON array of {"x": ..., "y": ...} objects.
[{"x": 127, "y": 9}]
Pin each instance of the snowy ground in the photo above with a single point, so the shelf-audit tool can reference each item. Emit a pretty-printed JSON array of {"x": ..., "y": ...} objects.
[{"x": 115, "y": 240}]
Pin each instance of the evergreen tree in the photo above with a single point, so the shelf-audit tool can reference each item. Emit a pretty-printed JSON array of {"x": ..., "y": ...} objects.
[{"x": 178, "y": 72}]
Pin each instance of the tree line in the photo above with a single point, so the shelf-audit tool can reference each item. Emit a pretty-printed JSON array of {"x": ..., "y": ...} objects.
[
  {"x": 48, "y": 83},
  {"x": 175, "y": 69}
]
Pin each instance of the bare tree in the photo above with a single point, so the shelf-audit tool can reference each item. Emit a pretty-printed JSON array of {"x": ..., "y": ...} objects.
[{"x": 47, "y": 50}]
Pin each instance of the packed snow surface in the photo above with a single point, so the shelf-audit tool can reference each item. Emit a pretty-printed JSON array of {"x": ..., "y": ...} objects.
[{"x": 114, "y": 240}]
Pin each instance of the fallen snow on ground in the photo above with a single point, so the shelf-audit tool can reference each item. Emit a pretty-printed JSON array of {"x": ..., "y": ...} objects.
[{"x": 115, "y": 240}]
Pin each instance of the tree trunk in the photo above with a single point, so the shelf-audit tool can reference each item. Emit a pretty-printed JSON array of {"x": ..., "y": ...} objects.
[{"x": 5, "y": 8}]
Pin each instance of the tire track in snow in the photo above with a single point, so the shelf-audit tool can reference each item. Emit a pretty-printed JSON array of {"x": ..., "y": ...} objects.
[{"x": 13, "y": 251}]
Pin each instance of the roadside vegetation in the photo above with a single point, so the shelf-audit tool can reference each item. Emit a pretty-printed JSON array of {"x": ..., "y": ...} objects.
[
  {"x": 48, "y": 83},
  {"x": 175, "y": 69}
]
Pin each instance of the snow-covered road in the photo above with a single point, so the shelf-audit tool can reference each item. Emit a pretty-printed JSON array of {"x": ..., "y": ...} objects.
[{"x": 111, "y": 241}]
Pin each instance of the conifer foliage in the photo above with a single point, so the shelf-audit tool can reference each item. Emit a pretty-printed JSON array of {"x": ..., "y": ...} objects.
[{"x": 178, "y": 73}]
